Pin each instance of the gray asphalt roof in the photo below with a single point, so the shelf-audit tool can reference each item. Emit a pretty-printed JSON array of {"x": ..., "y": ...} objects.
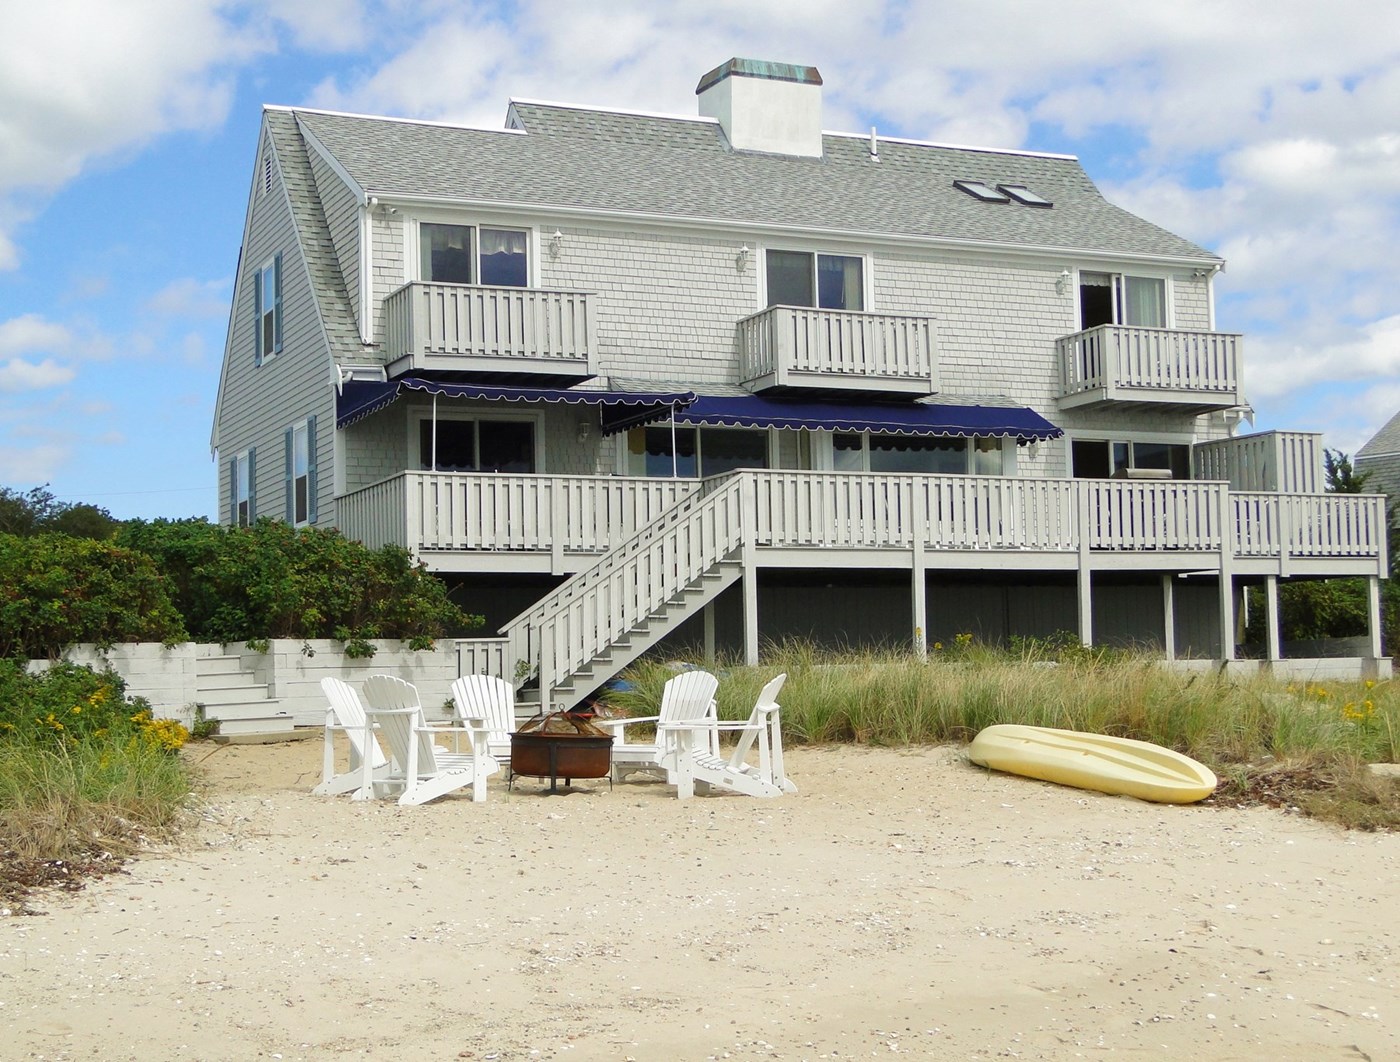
[
  {"x": 1385, "y": 441},
  {"x": 683, "y": 168}
]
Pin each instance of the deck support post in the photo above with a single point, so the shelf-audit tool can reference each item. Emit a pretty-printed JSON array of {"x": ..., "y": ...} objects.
[
  {"x": 1084, "y": 584},
  {"x": 709, "y": 622},
  {"x": 1227, "y": 577},
  {"x": 1373, "y": 621},
  {"x": 748, "y": 504},
  {"x": 1273, "y": 644},
  {"x": 1169, "y": 615},
  {"x": 918, "y": 575}
]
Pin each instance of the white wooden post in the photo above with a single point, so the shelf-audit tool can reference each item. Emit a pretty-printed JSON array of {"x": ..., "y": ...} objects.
[
  {"x": 709, "y": 621},
  {"x": 1227, "y": 577},
  {"x": 558, "y": 510},
  {"x": 1373, "y": 618},
  {"x": 747, "y": 507},
  {"x": 1084, "y": 583},
  {"x": 1273, "y": 645},
  {"x": 1169, "y": 615},
  {"x": 918, "y": 576}
]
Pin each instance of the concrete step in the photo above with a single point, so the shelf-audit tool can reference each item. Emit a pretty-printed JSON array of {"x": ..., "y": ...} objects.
[
  {"x": 251, "y": 709},
  {"x": 218, "y": 665},
  {"x": 233, "y": 695},
  {"x": 264, "y": 724}
]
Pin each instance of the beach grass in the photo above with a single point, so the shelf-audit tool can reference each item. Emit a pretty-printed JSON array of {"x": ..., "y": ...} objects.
[{"x": 1298, "y": 744}]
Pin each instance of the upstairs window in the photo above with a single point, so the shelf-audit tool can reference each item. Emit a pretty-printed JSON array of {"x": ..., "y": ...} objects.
[
  {"x": 301, "y": 473},
  {"x": 267, "y": 310},
  {"x": 825, "y": 281},
  {"x": 471, "y": 254},
  {"x": 1113, "y": 298}
]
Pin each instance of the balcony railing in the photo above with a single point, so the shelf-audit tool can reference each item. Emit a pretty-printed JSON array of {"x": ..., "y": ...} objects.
[
  {"x": 557, "y": 515},
  {"x": 1163, "y": 367},
  {"x": 492, "y": 330},
  {"x": 1268, "y": 460},
  {"x": 790, "y": 346}
]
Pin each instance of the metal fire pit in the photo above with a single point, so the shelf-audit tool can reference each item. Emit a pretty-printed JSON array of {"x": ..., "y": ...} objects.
[{"x": 560, "y": 745}]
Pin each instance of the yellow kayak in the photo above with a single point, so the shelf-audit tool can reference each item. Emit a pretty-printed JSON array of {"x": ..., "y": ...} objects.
[{"x": 1093, "y": 761}]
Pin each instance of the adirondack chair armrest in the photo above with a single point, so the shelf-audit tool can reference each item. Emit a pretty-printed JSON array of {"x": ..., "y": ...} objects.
[{"x": 621, "y": 725}]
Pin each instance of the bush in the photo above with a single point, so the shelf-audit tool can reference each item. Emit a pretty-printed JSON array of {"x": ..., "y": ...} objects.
[
  {"x": 59, "y": 590},
  {"x": 273, "y": 580},
  {"x": 69, "y": 704}
]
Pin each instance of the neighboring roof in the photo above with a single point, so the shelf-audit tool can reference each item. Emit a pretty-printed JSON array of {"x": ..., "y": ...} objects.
[
  {"x": 681, "y": 168},
  {"x": 1385, "y": 441}
]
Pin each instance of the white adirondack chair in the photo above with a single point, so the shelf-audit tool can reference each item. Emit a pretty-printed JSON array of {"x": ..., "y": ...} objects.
[
  {"x": 690, "y": 695},
  {"x": 346, "y": 715},
  {"x": 487, "y": 701},
  {"x": 693, "y": 758},
  {"x": 420, "y": 771}
]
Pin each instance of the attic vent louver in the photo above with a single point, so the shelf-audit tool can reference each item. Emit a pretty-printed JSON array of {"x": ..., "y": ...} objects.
[{"x": 267, "y": 170}]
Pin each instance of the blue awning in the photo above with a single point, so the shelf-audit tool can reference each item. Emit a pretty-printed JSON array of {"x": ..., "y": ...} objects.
[
  {"x": 914, "y": 418},
  {"x": 619, "y": 410}
]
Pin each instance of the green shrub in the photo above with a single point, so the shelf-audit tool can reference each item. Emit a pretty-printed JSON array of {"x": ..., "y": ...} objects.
[
  {"x": 273, "y": 580},
  {"x": 59, "y": 590}
]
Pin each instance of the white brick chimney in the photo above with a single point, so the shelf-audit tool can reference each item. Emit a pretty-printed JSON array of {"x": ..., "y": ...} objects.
[{"x": 763, "y": 106}]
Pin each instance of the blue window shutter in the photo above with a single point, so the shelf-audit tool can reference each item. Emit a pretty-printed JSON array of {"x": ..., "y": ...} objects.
[
  {"x": 291, "y": 500},
  {"x": 252, "y": 485},
  {"x": 277, "y": 304},
  {"x": 311, "y": 469},
  {"x": 257, "y": 317},
  {"x": 233, "y": 492}
]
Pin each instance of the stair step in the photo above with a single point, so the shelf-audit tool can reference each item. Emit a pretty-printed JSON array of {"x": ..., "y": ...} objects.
[
  {"x": 224, "y": 681},
  {"x": 246, "y": 694},
  {"x": 263, "y": 724},
  {"x": 243, "y": 710}
]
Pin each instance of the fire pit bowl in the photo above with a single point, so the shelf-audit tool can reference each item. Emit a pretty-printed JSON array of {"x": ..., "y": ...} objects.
[{"x": 560, "y": 745}]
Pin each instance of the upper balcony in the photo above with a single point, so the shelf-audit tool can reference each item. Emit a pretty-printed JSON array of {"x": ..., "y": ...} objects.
[
  {"x": 787, "y": 347},
  {"x": 1166, "y": 369},
  {"x": 502, "y": 333}
]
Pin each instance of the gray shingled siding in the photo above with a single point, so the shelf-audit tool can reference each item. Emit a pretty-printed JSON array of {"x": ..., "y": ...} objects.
[
  {"x": 1384, "y": 471},
  {"x": 259, "y": 403},
  {"x": 386, "y": 267},
  {"x": 342, "y": 210}
]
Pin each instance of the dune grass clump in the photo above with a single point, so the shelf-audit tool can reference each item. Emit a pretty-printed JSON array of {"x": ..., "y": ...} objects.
[
  {"x": 1251, "y": 731},
  {"x": 86, "y": 776}
]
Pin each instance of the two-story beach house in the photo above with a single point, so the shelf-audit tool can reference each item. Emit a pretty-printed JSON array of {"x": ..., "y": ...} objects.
[{"x": 624, "y": 376}]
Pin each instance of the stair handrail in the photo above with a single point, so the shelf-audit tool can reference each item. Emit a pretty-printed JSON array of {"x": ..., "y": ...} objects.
[{"x": 596, "y": 606}]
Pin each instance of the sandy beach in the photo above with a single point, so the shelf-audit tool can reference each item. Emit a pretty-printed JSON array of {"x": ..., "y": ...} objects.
[{"x": 904, "y": 903}]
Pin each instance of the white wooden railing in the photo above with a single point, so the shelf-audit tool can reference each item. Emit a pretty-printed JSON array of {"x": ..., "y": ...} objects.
[
  {"x": 751, "y": 511},
  {"x": 1114, "y": 358},
  {"x": 483, "y": 656},
  {"x": 1309, "y": 525},
  {"x": 467, "y": 320},
  {"x": 598, "y": 606},
  {"x": 1269, "y": 460},
  {"x": 785, "y": 345},
  {"x": 432, "y": 511}
]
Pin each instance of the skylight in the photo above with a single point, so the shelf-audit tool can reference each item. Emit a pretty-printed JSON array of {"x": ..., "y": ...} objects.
[
  {"x": 1022, "y": 194},
  {"x": 986, "y": 193}
]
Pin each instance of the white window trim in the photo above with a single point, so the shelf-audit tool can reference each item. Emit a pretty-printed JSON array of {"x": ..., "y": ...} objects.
[
  {"x": 1130, "y": 437},
  {"x": 413, "y": 245},
  {"x": 268, "y": 268},
  {"x": 867, "y": 282},
  {"x": 240, "y": 470},
  {"x": 300, "y": 431},
  {"x": 536, "y": 419},
  {"x": 1168, "y": 292}
]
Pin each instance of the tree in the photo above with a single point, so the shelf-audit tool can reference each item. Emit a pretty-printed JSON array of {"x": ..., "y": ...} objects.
[
  {"x": 37, "y": 511},
  {"x": 1340, "y": 476}
]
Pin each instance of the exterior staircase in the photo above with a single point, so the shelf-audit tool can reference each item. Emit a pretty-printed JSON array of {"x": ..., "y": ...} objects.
[
  {"x": 597, "y": 622},
  {"x": 234, "y": 696}
]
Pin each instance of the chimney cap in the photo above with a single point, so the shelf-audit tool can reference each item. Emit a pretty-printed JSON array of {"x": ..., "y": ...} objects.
[{"x": 760, "y": 68}]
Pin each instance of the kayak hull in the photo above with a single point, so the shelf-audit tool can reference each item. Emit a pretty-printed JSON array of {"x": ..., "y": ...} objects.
[{"x": 1104, "y": 764}]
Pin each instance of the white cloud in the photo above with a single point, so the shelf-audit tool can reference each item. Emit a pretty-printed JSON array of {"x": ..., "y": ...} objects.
[
  {"x": 31, "y": 333},
  {"x": 188, "y": 297},
  {"x": 1282, "y": 366},
  {"x": 82, "y": 79},
  {"x": 17, "y": 374},
  {"x": 32, "y": 465}
]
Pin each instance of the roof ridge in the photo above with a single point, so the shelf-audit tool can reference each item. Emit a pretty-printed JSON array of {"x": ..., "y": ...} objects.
[{"x": 282, "y": 108}]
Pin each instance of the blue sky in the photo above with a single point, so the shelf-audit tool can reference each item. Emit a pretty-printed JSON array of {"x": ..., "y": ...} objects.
[{"x": 127, "y": 134}]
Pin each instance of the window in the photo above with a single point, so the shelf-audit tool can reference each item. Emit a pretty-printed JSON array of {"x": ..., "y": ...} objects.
[
  {"x": 826, "y": 281},
  {"x": 1111, "y": 298},
  {"x": 476, "y": 445},
  {"x": 697, "y": 451},
  {"x": 925, "y": 455},
  {"x": 468, "y": 254},
  {"x": 242, "y": 483},
  {"x": 301, "y": 473},
  {"x": 267, "y": 310},
  {"x": 1024, "y": 195},
  {"x": 1102, "y": 458},
  {"x": 984, "y": 192}
]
